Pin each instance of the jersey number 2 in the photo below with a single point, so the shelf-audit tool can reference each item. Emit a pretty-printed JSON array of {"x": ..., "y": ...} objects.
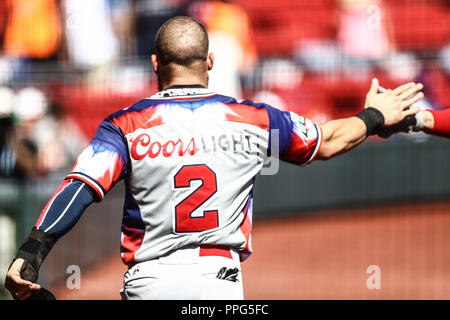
[{"x": 184, "y": 220}]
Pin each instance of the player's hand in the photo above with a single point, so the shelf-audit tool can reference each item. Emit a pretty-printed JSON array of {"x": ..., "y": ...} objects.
[
  {"x": 406, "y": 125},
  {"x": 394, "y": 104},
  {"x": 20, "y": 289}
]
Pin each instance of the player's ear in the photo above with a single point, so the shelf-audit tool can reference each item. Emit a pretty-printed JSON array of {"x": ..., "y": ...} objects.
[
  {"x": 155, "y": 64},
  {"x": 210, "y": 60}
]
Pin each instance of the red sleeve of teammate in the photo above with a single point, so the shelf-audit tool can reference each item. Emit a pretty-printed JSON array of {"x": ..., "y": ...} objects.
[{"x": 441, "y": 123}]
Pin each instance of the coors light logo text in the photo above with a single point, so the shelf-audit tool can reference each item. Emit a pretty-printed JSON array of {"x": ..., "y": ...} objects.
[{"x": 142, "y": 146}]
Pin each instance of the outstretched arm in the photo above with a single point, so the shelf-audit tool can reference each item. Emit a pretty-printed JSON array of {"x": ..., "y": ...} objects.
[
  {"x": 340, "y": 136},
  {"x": 382, "y": 109}
]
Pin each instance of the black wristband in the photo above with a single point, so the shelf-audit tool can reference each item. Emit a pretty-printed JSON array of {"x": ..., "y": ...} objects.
[
  {"x": 373, "y": 119},
  {"x": 34, "y": 250}
]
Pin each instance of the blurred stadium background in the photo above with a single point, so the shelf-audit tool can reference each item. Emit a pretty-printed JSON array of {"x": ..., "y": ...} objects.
[{"x": 66, "y": 64}]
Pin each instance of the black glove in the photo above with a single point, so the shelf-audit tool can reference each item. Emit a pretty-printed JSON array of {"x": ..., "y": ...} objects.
[{"x": 33, "y": 251}]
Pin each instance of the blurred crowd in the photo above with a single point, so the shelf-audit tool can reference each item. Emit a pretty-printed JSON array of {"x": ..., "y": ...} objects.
[
  {"x": 36, "y": 138},
  {"x": 331, "y": 49},
  {"x": 88, "y": 42},
  {"x": 264, "y": 49}
]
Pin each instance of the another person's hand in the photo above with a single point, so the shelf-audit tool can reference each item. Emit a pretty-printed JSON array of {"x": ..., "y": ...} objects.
[
  {"x": 406, "y": 126},
  {"x": 19, "y": 288},
  {"x": 421, "y": 121},
  {"x": 394, "y": 104}
]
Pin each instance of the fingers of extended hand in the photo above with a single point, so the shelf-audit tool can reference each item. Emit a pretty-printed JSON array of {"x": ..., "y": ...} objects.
[
  {"x": 399, "y": 90},
  {"x": 409, "y": 92},
  {"x": 407, "y": 103},
  {"x": 410, "y": 112}
]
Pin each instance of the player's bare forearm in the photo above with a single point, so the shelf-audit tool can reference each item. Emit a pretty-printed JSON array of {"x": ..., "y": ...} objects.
[
  {"x": 428, "y": 121},
  {"x": 437, "y": 122},
  {"x": 340, "y": 136}
]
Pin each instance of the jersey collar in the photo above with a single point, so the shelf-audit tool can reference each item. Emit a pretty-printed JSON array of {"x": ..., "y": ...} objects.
[{"x": 183, "y": 92}]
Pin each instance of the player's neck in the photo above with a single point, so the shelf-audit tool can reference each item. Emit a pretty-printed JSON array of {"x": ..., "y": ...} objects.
[
  {"x": 183, "y": 82},
  {"x": 185, "y": 86},
  {"x": 175, "y": 75}
]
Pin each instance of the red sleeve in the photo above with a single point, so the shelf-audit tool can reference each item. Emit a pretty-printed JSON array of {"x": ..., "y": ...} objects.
[{"x": 441, "y": 123}]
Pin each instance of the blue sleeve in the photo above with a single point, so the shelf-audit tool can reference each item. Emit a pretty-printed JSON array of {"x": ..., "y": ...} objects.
[
  {"x": 299, "y": 139},
  {"x": 280, "y": 120},
  {"x": 65, "y": 207}
]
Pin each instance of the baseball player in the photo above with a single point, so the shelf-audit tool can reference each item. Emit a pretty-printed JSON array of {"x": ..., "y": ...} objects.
[{"x": 188, "y": 158}]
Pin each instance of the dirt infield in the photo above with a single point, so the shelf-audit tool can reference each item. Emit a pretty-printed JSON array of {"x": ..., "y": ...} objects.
[{"x": 327, "y": 256}]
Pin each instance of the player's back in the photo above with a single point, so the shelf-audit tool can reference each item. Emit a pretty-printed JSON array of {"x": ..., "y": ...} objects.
[
  {"x": 189, "y": 158},
  {"x": 192, "y": 164}
]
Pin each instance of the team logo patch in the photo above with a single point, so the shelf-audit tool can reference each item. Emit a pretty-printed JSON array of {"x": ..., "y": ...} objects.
[{"x": 300, "y": 122}]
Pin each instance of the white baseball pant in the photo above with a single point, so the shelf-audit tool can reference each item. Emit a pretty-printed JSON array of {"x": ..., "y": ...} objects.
[{"x": 190, "y": 273}]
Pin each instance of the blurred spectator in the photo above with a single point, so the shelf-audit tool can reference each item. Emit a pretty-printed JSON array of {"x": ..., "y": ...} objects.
[
  {"x": 150, "y": 15},
  {"x": 278, "y": 76},
  {"x": 7, "y": 157},
  {"x": 363, "y": 34},
  {"x": 321, "y": 56},
  {"x": 364, "y": 29},
  {"x": 58, "y": 139},
  {"x": 33, "y": 29},
  {"x": 362, "y": 37},
  {"x": 91, "y": 41},
  {"x": 45, "y": 141},
  {"x": 364, "y": 41},
  {"x": 231, "y": 41},
  {"x": 30, "y": 106},
  {"x": 123, "y": 24}
]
